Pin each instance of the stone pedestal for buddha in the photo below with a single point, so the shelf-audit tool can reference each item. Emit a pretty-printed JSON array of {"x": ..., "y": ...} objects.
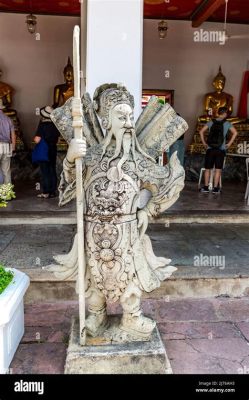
[
  {"x": 235, "y": 165},
  {"x": 196, "y": 147}
]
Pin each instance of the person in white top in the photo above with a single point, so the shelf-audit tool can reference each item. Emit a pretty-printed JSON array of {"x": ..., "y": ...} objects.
[{"x": 7, "y": 145}]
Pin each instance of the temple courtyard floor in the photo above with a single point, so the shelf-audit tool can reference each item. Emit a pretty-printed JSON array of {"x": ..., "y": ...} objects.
[{"x": 202, "y": 310}]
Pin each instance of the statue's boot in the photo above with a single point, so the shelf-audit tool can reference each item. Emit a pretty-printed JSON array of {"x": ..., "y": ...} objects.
[
  {"x": 96, "y": 322},
  {"x": 137, "y": 325},
  {"x": 133, "y": 321}
]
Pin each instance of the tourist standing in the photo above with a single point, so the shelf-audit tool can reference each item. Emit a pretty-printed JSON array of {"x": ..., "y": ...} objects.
[
  {"x": 216, "y": 147},
  {"x": 7, "y": 146},
  {"x": 48, "y": 131}
]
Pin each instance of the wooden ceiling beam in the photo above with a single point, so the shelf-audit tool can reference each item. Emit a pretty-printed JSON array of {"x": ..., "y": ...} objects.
[{"x": 205, "y": 10}]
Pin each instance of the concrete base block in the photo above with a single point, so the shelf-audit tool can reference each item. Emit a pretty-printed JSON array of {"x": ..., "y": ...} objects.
[{"x": 102, "y": 356}]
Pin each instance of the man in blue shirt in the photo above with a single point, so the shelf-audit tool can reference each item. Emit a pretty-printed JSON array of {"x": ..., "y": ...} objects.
[{"x": 215, "y": 155}]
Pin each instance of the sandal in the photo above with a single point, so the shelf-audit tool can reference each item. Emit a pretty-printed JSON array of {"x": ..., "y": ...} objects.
[{"x": 43, "y": 195}]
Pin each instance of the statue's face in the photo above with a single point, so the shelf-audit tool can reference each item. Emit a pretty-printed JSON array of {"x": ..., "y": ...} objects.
[
  {"x": 122, "y": 120},
  {"x": 219, "y": 84},
  {"x": 68, "y": 76}
]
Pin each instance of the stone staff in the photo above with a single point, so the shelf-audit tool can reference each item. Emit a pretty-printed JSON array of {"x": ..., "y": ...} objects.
[{"x": 78, "y": 128}]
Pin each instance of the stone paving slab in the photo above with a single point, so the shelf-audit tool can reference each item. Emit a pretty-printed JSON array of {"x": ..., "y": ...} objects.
[
  {"x": 183, "y": 243},
  {"x": 58, "y": 313},
  {"x": 230, "y": 309},
  {"x": 39, "y": 358},
  {"x": 33, "y": 255},
  {"x": 5, "y": 239},
  {"x": 244, "y": 328},
  {"x": 202, "y": 336},
  {"x": 199, "y": 330},
  {"x": 193, "y": 357},
  {"x": 37, "y": 334},
  {"x": 32, "y": 234},
  {"x": 232, "y": 349},
  {"x": 188, "y": 310}
]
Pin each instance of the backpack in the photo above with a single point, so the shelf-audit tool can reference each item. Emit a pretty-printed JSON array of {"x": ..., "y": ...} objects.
[{"x": 216, "y": 137}]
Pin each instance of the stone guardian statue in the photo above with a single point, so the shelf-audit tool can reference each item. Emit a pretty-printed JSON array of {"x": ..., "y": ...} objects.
[{"x": 118, "y": 164}]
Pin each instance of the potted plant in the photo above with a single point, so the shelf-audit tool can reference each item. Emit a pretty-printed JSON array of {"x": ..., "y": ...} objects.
[
  {"x": 13, "y": 285},
  {"x": 6, "y": 194}
]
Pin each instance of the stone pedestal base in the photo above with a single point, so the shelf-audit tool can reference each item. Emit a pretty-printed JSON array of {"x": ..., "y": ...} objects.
[{"x": 102, "y": 356}]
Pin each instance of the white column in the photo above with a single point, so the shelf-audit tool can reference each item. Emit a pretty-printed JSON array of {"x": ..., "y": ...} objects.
[
  {"x": 83, "y": 41},
  {"x": 114, "y": 45}
]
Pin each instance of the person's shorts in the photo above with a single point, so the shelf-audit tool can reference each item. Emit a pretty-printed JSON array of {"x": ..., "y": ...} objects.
[{"x": 214, "y": 158}]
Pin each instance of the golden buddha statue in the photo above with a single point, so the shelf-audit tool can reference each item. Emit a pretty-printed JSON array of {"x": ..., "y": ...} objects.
[
  {"x": 66, "y": 90},
  {"x": 214, "y": 100},
  {"x": 6, "y": 92}
]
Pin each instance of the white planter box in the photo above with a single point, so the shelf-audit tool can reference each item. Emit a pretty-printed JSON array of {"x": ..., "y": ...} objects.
[{"x": 12, "y": 318}]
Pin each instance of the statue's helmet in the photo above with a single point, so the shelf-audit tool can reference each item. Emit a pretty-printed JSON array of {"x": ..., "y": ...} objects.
[{"x": 106, "y": 97}]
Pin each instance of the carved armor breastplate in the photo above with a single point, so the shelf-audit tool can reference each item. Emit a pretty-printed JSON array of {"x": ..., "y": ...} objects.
[
  {"x": 112, "y": 194},
  {"x": 111, "y": 226}
]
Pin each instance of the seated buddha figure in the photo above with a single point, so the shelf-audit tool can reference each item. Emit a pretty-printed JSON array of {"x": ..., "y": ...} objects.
[
  {"x": 214, "y": 100},
  {"x": 66, "y": 90},
  {"x": 6, "y": 92}
]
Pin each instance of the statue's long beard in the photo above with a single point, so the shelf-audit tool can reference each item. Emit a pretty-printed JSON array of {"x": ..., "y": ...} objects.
[
  {"x": 128, "y": 143},
  {"x": 120, "y": 145}
]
